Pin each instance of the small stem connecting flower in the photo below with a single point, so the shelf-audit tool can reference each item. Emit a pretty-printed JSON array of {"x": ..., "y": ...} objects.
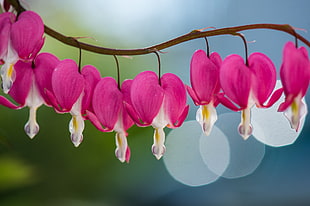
[{"x": 245, "y": 47}]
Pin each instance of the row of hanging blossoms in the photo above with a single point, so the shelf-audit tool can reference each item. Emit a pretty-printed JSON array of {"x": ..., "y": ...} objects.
[{"x": 32, "y": 79}]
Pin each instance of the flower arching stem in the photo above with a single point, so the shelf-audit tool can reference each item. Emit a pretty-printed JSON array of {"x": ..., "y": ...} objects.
[{"x": 158, "y": 47}]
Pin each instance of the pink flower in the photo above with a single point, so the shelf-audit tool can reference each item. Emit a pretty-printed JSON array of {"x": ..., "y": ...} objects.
[
  {"x": 247, "y": 85},
  {"x": 204, "y": 76},
  {"x": 158, "y": 104},
  {"x": 28, "y": 88},
  {"x": 71, "y": 93},
  {"x": 295, "y": 74},
  {"x": 110, "y": 113},
  {"x": 24, "y": 43}
]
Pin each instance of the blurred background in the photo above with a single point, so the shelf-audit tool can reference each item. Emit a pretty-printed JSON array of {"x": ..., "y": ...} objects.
[{"x": 49, "y": 170}]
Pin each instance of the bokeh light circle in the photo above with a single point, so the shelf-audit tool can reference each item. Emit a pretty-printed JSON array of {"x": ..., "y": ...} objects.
[
  {"x": 245, "y": 155},
  {"x": 215, "y": 151},
  {"x": 183, "y": 159}
]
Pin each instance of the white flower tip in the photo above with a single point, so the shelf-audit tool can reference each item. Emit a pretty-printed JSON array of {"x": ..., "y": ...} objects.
[
  {"x": 76, "y": 139},
  {"x": 122, "y": 151},
  {"x": 158, "y": 151},
  {"x": 245, "y": 131},
  {"x": 206, "y": 116},
  {"x": 31, "y": 129}
]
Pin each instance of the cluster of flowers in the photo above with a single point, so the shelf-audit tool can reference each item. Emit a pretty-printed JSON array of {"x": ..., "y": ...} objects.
[{"x": 32, "y": 79}]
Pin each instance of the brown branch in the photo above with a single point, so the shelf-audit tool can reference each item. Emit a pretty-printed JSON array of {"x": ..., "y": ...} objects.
[{"x": 178, "y": 40}]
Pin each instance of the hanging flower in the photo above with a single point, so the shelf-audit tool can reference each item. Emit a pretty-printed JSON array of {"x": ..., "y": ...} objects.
[
  {"x": 247, "y": 85},
  {"x": 295, "y": 74},
  {"x": 71, "y": 93},
  {"x": 110, "y": 113},
  {"x": 204, "y": 76},
  {"x": 158, "y": 104},
  {"x": 24, "y": 43},
  {"x": 28, "y": 87}
]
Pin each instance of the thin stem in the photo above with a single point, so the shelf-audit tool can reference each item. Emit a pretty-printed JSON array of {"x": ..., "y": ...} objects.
[
  {"x": 245, "y": 47},
  {"x": 118, "y": 72},
  {"x": 159, "y": 66},
  {"x": 80, "y": 54},
  {"x": 207, "y": 45},
  {"x": 158, "y": 47}
]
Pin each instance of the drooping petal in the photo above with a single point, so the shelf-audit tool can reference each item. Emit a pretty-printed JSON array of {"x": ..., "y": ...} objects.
[
  {"x": 23, "y": 82},
  {"x": 146, "y": 96},
  {"x": 204, "y": 75},
  {"x": 122, "y": 151},
  {"x": 264, "y": 76},
  {"x": 32, "y": 127},
  {"x": 27, "y": 35},
  {"x": 158, "y": 147},
  {"x": 245, "y": 128},
  {"x": 174, "y": 97},
  {"x": 76, "y": 125},
  {"x": 45, "y": 64},
  {"x": 235, "y": 79},
  {"x": 107, "y": 102},
  {"x": 76, "y": 128},
  {"x": 296, "y": 112},
  {"x": 34, "y": 100},
  {"x": 92, "y": 77},
  {"x": 206, "y": 116},
  {"x": 295, "y": 70},
  {"x": 67, "y": 84}
]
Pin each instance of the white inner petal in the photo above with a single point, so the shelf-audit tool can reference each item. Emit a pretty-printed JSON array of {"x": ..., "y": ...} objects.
[{"x": 276, "y": 128}]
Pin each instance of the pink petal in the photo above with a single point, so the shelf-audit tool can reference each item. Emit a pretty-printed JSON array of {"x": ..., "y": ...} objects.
[
  {"x": 287, "y": 103},
  {"x": 127, "y": 120},
  {"x": 92, "y": 77},
  {"x": 193, "y": 95},
  {"x": 24, "y": 79},
  {"x": 107, "y": 102},
  {"x": 45, "y": 64},
  {"x": 274, "y": 97},
  {"x": 264, "y": 76},
  {"x": 27, "y": 35},
  {"x": 95, "y": 121},
  {"x": 175, "y": 97},
  {"x": 5, "y": 27},
  {"x": 67, "y": 84},
  {"x": 146, "y": 96},
  {"x": 227, "y": 103},
  {"x": 235, "y": 78},
  {"x": 295, "y": 70},
  {"x": 7, "y": 103},
  {"x": 204, "y": 75}
]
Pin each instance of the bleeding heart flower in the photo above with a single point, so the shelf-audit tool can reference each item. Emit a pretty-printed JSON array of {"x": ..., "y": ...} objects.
[
  {"x": 158, "y": 104},
  {"x": 204, "y": 76},
  {"x": 28, "y": 87},
  {"x": 247, "y": 85},
  {"x": 295, "y": 74},
  {"x": 24, "y": 43},
  {"x": 72, "y": 93},
  {"x": 110, "y": 113}
]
